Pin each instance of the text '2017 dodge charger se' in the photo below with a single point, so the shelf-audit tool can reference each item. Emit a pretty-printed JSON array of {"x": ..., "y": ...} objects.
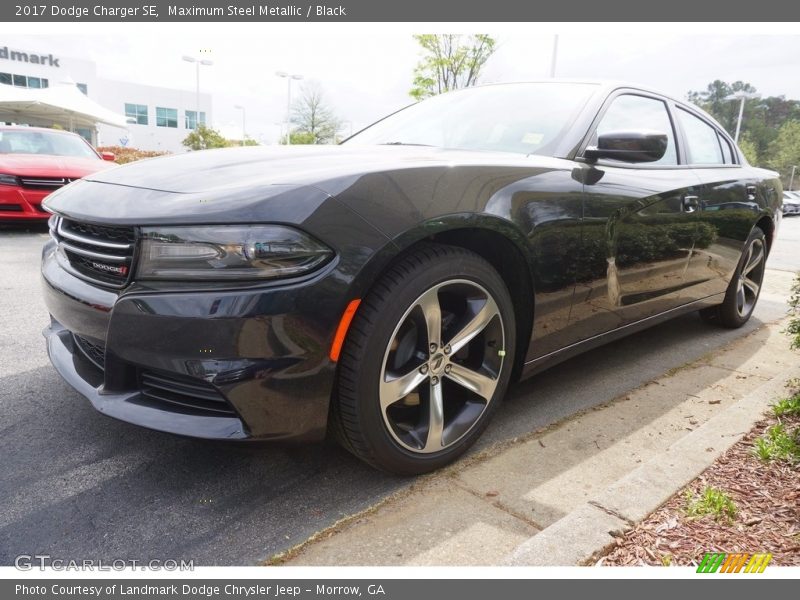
[{"x": 391, "y": 287}]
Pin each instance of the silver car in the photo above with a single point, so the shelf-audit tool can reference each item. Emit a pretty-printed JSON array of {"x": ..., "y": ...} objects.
[{"x": 791, "y": 203}]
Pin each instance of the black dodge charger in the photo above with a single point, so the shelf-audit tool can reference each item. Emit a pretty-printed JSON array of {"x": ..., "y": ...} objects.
[{"x": 388, "y": 289}]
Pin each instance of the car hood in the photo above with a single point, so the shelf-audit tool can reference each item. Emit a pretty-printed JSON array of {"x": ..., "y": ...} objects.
[
  {"x": 230, "y": 168},
  {"x": 45, "y": 165},
  {"x": 265, "y": 184}
]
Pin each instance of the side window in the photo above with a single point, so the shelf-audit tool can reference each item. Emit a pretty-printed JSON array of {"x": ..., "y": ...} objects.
[
  {"x": 702, "y": 143},
  {"x": 727, "y": 153},
  {"x": 639, "y": 113}
]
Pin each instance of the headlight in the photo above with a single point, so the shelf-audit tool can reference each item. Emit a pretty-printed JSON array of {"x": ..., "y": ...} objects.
[
  {"x": 8, "y": 179},
  {"x": 228, "y": 252}
]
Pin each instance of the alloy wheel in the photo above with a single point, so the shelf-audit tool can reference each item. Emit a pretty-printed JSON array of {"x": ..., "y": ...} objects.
[
  {"x": 750, "y": 278},
  {"x": 441, "y": 366}
]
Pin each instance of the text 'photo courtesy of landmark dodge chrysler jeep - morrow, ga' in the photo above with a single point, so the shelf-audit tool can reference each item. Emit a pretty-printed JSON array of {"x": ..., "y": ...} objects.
[{"x": 388, "y": 289}]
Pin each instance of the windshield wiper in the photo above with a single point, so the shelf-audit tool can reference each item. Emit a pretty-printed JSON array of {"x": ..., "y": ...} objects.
[{"x": 404, "y": 144}]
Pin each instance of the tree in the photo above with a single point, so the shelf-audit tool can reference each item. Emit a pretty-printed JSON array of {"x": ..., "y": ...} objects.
[
  {"x": 450, "y": 62},
  {"x": 785, "y": 149},
  {"x": 750, "y": 150},
  {"x": 315, "y": 122},
  {"x": 713, "y": 101},
  {"x": 204, "y": 138},
  {"x": 768, "y": 137},
  {"x": 299, "y": 138}
]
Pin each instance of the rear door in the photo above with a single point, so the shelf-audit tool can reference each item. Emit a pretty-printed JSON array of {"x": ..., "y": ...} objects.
[
  {"x": 728, "y": 203},
  {"x": 639, "y": 223}
]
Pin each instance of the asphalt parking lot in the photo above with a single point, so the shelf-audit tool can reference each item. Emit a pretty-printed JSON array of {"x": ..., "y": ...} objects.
[{"x": 77, "y": 485}]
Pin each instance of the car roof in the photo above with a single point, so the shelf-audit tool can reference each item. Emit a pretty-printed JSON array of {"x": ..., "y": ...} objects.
[{"x": 607, "y": 86}]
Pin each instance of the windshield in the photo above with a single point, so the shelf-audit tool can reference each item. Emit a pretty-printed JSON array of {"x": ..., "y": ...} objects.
[
  {"x": 527, "y": 118},
  {"x": 20, "y": 141}
]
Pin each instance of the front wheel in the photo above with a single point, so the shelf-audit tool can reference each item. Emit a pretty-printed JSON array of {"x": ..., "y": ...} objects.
[
  {"x": 426, "y": 361},
  {"x": 745, "y": 286}
]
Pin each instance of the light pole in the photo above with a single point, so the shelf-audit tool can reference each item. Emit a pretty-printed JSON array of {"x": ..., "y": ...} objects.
[
  {"x": 197, "y": 62},
  {"x": 741, "y": 96},
  {"x": 280, "y": 125},
  {"x": 288, "y": 102},
  {"x": 244, "y": 134},
  {"x": 350, "y": 127},
  {"x": 554, "y": 57},
  {"x": 791, "y": 178}
]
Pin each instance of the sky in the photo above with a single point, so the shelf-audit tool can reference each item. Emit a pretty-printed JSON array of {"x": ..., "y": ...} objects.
[{"x": 366, "y": 70}]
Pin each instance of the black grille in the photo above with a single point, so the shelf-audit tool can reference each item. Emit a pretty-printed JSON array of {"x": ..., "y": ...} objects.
[
  {"x": 45, "y": 183},
  {"x": 95, "y": 352},
  {"x": 99, "y": 253},
  {"x": 102, "y": 233},
  {"x": 11, "y": 207},
  {"x": 184, "y": 393}
]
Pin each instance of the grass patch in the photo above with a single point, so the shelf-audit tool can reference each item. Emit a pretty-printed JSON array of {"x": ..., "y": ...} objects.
[
  {"x": 788, "y": 407},
  {"x": 778, "y": 444},
  {"x": 713, "y": 502}
]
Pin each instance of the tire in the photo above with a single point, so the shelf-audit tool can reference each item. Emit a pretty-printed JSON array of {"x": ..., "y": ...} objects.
[
  {"x": 745, "y": 285},
  {"x": 401, "y": 403}
]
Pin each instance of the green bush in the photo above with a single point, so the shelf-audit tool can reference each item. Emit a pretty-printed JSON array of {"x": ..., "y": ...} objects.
[
  {"x": 778, "y": 444},
  {"x": 123, "y": 154},
  {"x": 794, "y": 310},
  {"x": 205, "y": 138},
  {"x": 711, "y": 502}
]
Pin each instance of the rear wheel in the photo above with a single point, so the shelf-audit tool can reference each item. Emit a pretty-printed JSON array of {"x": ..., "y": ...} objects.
[
  {"x": 745, "y": 286},
  {"x": 426, "y": 361}
]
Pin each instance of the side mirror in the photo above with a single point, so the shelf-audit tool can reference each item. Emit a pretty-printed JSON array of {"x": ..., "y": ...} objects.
[
  {"x": 108, "y": 156},
  {"x": 629, "y": 146}
]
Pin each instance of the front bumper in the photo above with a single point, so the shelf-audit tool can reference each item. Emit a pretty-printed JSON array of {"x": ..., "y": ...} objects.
[
  {"x": 18, "y": 204},
  {"x": 127, "y": 406},
  {"x": 263, "y": 352}
]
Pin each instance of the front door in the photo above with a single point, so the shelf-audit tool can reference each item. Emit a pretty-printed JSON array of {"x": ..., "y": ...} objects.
[{"x": 639, "y": 226}]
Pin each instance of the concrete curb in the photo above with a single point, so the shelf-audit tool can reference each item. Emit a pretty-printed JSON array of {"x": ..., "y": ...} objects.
[{"x": 587, "y": 530}]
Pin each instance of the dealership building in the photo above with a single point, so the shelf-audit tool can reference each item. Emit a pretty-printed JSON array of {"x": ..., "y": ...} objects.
[{"x": 158, "y": 118}]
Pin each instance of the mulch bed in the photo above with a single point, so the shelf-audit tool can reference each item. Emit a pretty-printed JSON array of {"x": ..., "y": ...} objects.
[{"x": 767, "y": 496}]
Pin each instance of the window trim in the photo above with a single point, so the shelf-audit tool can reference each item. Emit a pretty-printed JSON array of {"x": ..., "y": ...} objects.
[{"x": 724, "y": 143}]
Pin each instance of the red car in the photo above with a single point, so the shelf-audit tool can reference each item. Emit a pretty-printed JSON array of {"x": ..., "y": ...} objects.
[{"x": 34, "y": 162}]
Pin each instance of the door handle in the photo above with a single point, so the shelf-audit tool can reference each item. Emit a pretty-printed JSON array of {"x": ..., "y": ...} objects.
[
  {"x": 751, "y": 193},
  {"x": 690, "y": 203}
]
